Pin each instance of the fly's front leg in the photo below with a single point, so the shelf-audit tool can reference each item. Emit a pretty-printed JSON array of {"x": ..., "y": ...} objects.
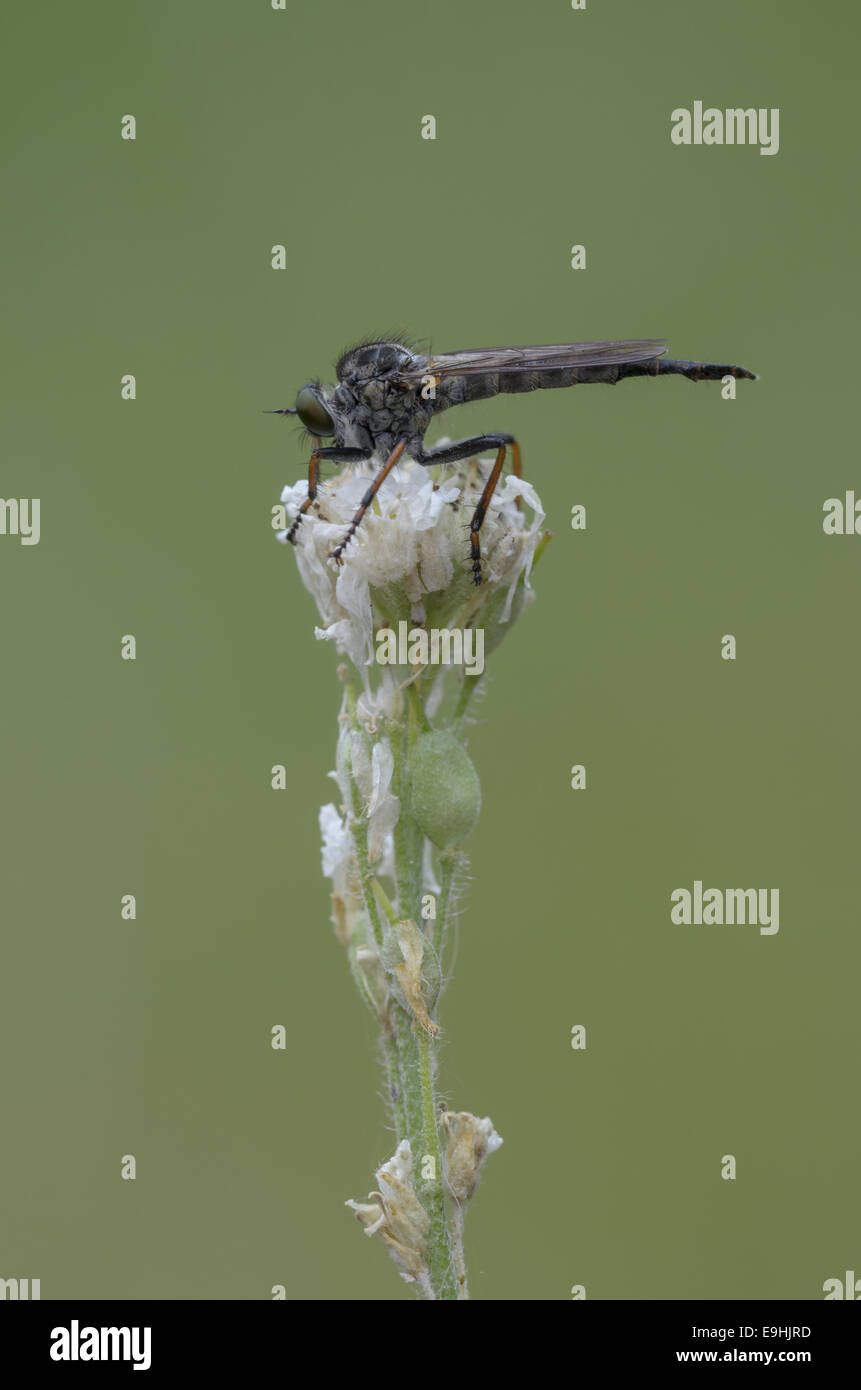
[
  {"x": 465, "y": 448},
  {"x": 335, "y": 455},
  {"x": 338, "y": 553}
]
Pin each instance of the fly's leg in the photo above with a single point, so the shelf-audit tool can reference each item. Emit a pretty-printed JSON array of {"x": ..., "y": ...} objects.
[
  {"x": 465, "y": 448},
  {"x": 335, "y": 455},
  {"x": 338, "y": 553},
  {"x": 483, "y": 504},
  {"x": 313, "y": 479}
]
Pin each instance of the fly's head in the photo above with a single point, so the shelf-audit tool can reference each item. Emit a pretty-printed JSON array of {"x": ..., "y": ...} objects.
[
  {"x": 372, "y": 406},
  {"x": 317, "y": 412}
]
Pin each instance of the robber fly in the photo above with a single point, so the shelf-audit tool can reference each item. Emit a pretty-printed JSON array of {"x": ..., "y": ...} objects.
[{"x": 387, "y": 394}]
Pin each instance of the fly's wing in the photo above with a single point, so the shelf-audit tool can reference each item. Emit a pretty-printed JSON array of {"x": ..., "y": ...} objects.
[{"x": 550, "y": 357}]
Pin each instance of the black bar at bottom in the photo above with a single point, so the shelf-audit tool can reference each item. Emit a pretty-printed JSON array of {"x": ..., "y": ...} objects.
[{"x": 63, "y": 1338}]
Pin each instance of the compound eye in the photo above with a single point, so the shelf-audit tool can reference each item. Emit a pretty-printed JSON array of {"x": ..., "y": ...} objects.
[{"x": 313, "y": 414}]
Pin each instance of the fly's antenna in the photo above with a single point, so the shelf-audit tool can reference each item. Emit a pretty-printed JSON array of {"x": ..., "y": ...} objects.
[{"x": 285, "y": 411}]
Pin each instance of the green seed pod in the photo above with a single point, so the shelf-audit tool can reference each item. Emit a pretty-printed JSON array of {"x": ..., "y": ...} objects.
[{"x": 445, "y": 792}]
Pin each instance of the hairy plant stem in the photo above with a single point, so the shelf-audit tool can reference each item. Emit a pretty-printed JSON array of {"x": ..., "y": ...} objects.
[
  {"x": 410, "y": 1051},
  {"x": 419, "y": 1049}
]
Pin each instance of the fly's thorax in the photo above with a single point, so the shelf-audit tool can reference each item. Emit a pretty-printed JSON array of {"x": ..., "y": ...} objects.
[
  {"x": 373, "y": 400},
  {"x": 388, "y": 411},
  {"x": 370, "y": 360}
]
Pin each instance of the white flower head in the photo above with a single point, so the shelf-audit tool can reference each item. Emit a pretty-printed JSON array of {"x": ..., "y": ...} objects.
[{"x": 411, "y": 551}]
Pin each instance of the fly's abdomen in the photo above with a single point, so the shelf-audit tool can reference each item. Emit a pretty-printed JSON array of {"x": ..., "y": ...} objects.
[
  {"x": 458, "y": 390},
  {"x": 513, "y": 382},
  {"x": 479, "y": 386},
  {"x": 703, "y": 371}
]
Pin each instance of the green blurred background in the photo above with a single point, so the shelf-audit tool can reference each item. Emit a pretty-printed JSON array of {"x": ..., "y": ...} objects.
[{"x": 301, "y": 127}]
